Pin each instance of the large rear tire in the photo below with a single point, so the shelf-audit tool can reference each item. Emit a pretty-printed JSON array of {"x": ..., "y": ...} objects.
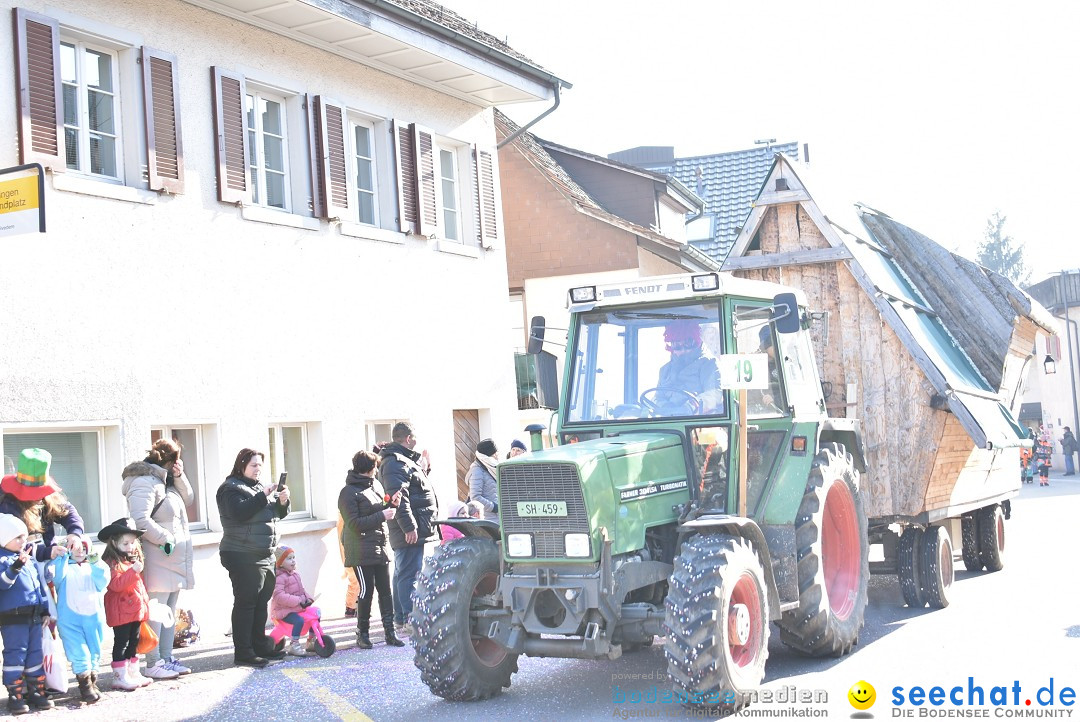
[
  {"x": 832, "y": 552},
  {"x": 452, "y": 587},
  {"x": 718, "y": 622},
  {"x": 936, "y": 568},
  {"x": 991, "y": 525},
  {"x": 909, "y": 567}
]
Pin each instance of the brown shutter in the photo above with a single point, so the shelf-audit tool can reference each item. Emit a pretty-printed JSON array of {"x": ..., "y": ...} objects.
[
  {"x": 234, "y": 183},
  {"x": 41, "y": 104},
  {"x": 425, "y": 180},
  {"x": 406, "y": 176},
  {"x": 311, "y": 114},
  {"x": 487, "y": 231},
  {"x": 332, "y": 166},
  {"x": 164, "y": 148}
]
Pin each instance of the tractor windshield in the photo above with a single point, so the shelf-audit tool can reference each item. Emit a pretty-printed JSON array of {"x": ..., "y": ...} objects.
[{"x": 646, "y": 362}]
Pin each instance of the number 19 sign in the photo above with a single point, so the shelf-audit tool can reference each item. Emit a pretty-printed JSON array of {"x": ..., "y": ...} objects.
[{"x": 744, "y": 370}]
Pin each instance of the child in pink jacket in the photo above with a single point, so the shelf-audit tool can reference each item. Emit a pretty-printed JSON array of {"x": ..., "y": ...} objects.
[{"x": 290, "y": 598}]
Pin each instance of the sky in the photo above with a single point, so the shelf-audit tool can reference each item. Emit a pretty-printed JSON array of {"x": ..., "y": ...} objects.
[{"x": 938, "y": 114}]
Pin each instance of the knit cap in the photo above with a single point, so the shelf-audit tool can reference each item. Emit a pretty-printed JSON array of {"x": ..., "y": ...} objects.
[
  {"x": 487, "y": 448},
  {"x": 518, "y": 444},
  {"x": 10, "y": 527},
  {"x": 282, "y": 554}
]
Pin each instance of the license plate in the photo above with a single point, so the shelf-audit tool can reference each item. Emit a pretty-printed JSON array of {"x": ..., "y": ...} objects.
[{"x": 541, "y": 508}]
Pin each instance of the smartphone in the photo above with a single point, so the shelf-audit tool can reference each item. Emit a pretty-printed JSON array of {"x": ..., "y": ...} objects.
[{"x": 281, "y": 481}]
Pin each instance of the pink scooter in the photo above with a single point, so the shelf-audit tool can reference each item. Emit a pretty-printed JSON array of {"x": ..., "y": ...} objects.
[{"x": 324, "y": 645}]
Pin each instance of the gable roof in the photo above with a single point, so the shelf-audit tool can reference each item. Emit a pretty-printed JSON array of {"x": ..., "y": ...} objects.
[{"x": 955, "y": 317}]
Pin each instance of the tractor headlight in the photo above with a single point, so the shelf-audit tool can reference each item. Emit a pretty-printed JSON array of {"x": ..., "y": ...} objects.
[
  {"x": 577, "y": 545},
  {"x": 519, "y": 545}
]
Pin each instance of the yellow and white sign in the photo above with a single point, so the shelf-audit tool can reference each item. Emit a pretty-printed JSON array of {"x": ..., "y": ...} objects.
[
  {"x": 744, "y": 370},
  {"x": 20, "y": 204}
]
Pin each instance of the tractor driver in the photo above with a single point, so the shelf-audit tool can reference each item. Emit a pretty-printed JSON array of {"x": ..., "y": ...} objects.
[{"x": 690, "y": 382}]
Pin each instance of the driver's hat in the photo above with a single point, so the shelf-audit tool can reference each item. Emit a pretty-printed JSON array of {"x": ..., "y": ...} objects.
[{"x": 682, "y": 335}]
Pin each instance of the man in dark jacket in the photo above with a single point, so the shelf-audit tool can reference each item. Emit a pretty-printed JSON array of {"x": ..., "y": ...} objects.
[
  {"x": 400, "y": 470},
  {"x": 1068, "y": 448}
]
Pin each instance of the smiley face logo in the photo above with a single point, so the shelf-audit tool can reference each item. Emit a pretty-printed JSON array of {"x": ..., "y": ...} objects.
[{"x": 862, "y": 695}]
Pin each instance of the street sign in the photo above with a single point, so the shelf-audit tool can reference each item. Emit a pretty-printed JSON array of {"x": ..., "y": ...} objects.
[
  {"x": 744, "y": 370},
  {"x": 22, "y": 200}
]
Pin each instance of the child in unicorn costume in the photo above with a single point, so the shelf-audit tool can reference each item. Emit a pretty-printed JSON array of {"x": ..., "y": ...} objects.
[{"x": 81, "y": 579}]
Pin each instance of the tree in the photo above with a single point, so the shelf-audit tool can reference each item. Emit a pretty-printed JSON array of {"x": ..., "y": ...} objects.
[{"x": 999, "y": 252}]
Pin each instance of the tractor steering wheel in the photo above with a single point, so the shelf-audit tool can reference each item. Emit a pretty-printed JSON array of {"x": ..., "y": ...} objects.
[{"x": 648, "y": 399}]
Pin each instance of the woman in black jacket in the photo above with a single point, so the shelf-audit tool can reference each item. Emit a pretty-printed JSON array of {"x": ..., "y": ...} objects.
[
  {"x": 365, "y": 507},
  {"x": 249, "y": 512}
]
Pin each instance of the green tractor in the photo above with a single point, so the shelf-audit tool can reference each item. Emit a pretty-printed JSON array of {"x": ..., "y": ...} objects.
[{"x": 699, "y": 491}]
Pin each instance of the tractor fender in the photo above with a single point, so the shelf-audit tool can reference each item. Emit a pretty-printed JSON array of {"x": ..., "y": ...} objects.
[
  {"x": 845, "y": 432},
  {"x": 745, "y": 528},
  {"x": 483, "y": 528}
]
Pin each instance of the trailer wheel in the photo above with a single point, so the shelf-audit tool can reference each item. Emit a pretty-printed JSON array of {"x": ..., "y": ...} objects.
[
  {"x": 909, "y": 567},
  {"x": 936, "y": 568},
  {"x": 991, "y": 525},
  {"x": 832, "y": 550},
  {"x": 717, "y": 618},
  {"x": 453, "y": 663},
  {"x": 970, "y": 539}
]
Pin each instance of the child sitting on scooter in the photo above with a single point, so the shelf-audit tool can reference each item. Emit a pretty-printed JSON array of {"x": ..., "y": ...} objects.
[{"x": 290, "y": 598}]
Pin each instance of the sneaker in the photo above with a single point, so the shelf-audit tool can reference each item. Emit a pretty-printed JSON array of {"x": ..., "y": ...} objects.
[
  {"x": 161, "y": 670},
  {"x": 174, "y": 665},
  {"x": 296, "y": 649},
  {"x": 253, "y": 661}
]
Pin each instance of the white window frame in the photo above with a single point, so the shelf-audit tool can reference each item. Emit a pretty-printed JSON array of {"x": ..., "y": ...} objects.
[
  {"x": 166, "y": 432},
  {"x": 372, "y": 436},
  {"x": 82, "y": 92},
  {"x": 275, "y": 464},
  {"x": 372, "y": 125},
  {"x": 258, "y": 173},
  {"x": 442, "y": 146}
]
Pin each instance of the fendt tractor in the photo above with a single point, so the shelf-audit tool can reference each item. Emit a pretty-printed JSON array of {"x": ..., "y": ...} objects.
[{"x": 699, "y": 491}]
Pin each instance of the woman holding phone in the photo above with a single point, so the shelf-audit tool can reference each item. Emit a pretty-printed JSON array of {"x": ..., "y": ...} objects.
[{"x": 249, "y": 511}]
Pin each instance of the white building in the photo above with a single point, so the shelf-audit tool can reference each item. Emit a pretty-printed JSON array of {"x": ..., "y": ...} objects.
[{"x": 270, "y": 224}]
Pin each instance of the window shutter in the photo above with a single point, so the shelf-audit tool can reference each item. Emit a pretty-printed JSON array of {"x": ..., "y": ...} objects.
[
  {"x": 487, "y": 230},
  {"x": 41, "y": 104},
  {"x": 311, "y": 113},
  {"x": 333, "y": 169},
  {"x": 164, "y": 149},
  {"x": 234, "y": 183},
  {"x": 1053, "y": 347},
  {"x": 406, "y": 176},
  {"x": 428, "y": 214}
]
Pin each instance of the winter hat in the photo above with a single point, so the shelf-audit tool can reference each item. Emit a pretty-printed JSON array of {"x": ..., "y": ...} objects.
[
  {"x": 487, "y": 448},
  {"x": 31, "y": 480},
  {"x": 118, "y": 527},
  {"x": 518, "y": 444},
  {"x": 10, "y": 527},
  {"x": 457, "y": 508},
  {"x": 282, "y": 554}
]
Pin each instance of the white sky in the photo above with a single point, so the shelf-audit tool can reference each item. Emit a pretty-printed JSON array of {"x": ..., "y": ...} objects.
[{"x": 937, "y": 113}]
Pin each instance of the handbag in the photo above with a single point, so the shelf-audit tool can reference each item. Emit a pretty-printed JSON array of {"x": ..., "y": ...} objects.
[
  {"x": 54, "y": 662},
  {"x": 148, "y": 638}
]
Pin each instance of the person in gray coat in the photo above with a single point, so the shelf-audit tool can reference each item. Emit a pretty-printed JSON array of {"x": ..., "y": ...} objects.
[
  {"x": 481, "y": 479},
  {"x": 158, "y": 494}
]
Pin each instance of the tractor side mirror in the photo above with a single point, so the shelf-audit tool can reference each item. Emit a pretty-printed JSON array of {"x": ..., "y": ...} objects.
[
  {"x": 536, "y": 335},
  {"x": 785, "y": 313}
]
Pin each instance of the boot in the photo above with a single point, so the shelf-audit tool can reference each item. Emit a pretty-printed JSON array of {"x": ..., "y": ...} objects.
[
  {"x": 389, "y": 636},
  {"x": 16, "y": 703},
  {"x": 120, "y": 677},
  {"x": 134, "y": 676},
  {"x": 36, "y": 693},
  {"x": 362, "y": 639},
  {"x": 93, "y": 682},
  {"x": 86, "y": 688}
]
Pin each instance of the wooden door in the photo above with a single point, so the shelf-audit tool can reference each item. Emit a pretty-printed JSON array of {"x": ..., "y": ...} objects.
[{"x": 466, "y": 436}]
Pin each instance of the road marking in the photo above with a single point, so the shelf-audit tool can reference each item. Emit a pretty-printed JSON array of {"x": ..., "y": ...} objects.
[{"x": 336, "y": 704}]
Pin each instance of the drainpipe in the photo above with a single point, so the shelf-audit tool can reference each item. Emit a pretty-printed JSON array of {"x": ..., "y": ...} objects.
[
  {"x": 1071, "y": 334},
  {"x": 510, "y": 138}
]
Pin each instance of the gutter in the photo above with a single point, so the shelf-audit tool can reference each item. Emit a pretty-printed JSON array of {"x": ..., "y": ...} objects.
[{"x": 510, "y": 138}]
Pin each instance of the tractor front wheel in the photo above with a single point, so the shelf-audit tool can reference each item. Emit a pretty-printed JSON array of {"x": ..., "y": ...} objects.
[
  {"x": 832, "y": 551},
  {"x": 717, "y": 616},
  {"x": 455, "y": 583}
]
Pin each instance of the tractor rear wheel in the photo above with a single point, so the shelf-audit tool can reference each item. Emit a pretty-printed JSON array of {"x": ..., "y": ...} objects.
[
  {"x": 718, "y": 622},
  {"x": 991, "y": 525},
  {"x": 455, "y": 583},
  {"x": 909, "y": 567},
  {"x": 970, "y": 538},
  {"x": 936, "y": 568},
  {"x": 832, "y": 551}
]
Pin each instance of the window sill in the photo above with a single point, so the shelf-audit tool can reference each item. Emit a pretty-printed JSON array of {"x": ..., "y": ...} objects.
[
  {"x": 370, "y": 233},
  {"x": 297, "y": 526},
  {"x": 279, "y": 218},
  {"x": 86, "y": 186},
  {"x": 457, "y": 249}
]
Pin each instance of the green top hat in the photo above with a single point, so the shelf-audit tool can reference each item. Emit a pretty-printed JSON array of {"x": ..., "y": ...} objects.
[{"x": 31, "y": 480}]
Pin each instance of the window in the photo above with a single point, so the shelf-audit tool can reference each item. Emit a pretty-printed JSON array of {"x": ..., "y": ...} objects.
[
  {"x": 449, "y": 200},
  {"x": 288, "y": 453},
  {"x": 267, "y": 149},
  {"x": 364, "y": 174},
  {"x": 76, "y": 466},
  {"x": 191, "y": 453},
  {"x": 91, "y": 110}
]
